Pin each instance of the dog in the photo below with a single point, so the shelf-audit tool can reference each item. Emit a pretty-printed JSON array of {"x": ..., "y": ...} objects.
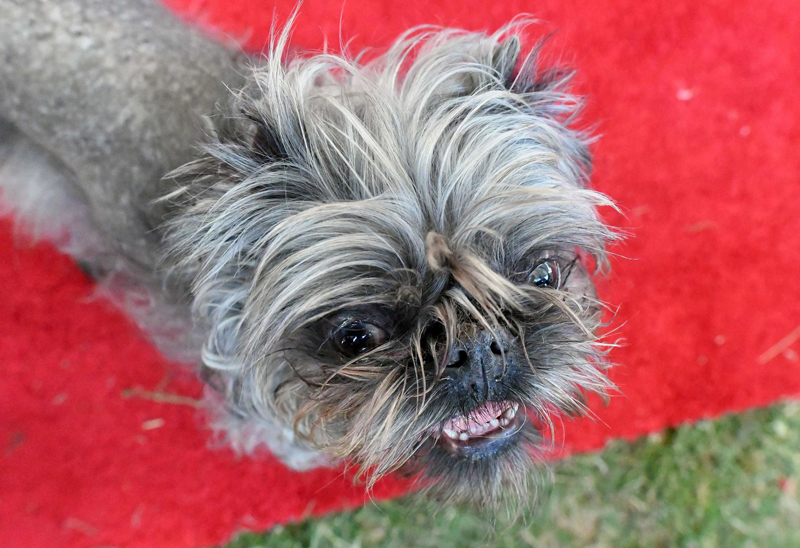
[{"x": 386, "y": 262}]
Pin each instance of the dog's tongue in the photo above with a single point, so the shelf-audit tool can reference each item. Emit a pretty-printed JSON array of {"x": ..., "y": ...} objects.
[{"x": 481, "y": 415}]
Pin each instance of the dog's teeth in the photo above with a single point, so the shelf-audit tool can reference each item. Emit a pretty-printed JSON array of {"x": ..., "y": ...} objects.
[
  {"x": 466, "y": 427},
  {"x": 451, "y": 433}
]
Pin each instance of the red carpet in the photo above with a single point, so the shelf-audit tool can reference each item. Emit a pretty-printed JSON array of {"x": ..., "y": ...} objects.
[{"x": 698, "y": 106}]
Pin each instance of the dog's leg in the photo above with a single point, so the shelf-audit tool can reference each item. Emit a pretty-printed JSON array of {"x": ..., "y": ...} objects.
[{"x": 40, "y": 192}]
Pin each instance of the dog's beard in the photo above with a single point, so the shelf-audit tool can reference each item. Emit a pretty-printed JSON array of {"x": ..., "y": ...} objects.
[
  {"x": 460, "y": 394},
  {"x": 390, "y": 258}
]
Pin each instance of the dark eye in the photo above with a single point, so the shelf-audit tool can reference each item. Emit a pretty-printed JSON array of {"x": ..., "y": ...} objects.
[
  {"x": 355, "y": 337},
  {"x": 546, "y": 274}
]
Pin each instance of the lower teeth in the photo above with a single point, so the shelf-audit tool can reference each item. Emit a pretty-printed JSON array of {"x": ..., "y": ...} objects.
[{"x": 501, "y": 421}]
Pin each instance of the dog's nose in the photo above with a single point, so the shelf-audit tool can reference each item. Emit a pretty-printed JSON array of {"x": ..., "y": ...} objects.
[{"x": 477, "y": 364}]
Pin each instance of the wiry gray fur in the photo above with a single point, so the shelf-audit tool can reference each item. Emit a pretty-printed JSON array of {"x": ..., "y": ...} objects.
[{"x": 422, "y": 186}]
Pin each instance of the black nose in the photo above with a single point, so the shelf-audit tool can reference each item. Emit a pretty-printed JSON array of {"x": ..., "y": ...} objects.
[{"x": 477, "y": 364}]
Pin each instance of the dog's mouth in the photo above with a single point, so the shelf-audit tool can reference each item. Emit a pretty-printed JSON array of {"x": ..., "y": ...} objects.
[{"x": 484, "y": 430}]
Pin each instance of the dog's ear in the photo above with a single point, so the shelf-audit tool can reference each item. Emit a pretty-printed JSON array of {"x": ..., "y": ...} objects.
[
  {"x": 266, "y": 142},
  {"x": 498, "y": 61},
  {"x": 505, "y": 58}
]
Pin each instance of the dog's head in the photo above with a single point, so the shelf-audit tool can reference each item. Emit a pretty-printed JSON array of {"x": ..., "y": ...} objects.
[{"x": 392, "y": 257}]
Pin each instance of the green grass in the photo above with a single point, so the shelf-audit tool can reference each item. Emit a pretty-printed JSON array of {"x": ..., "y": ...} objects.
[{"x": 728, "y": 483}]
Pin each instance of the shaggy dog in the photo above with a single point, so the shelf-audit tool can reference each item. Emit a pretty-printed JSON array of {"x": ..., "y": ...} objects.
[{"x": 383, "y": 261}]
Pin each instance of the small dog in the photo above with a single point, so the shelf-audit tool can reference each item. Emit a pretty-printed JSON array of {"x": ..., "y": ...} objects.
[{"x": 386, "y": 262}]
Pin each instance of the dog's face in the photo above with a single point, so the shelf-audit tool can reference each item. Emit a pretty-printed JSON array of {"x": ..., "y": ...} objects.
[
  {"x": 392, "y": 258},
  {"x": 461, "y": 379}
]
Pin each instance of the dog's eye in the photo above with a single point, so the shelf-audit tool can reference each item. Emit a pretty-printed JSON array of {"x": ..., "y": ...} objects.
[
  {"x": 355, "y": 337},
  {"x": 546, "y": 274}
]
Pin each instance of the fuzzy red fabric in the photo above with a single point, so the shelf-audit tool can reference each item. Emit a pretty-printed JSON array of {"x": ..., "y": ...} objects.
[{"x": 698, "y": 106}]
